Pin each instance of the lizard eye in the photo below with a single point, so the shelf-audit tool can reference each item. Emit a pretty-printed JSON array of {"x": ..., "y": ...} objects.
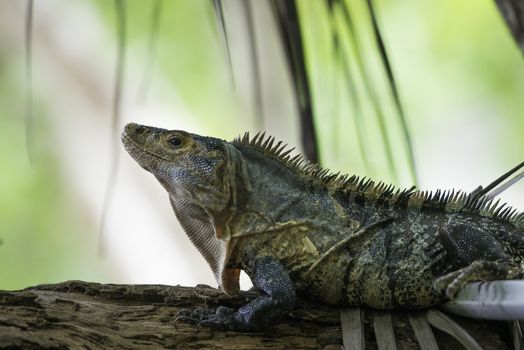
[{"x": 176, "y": 141}]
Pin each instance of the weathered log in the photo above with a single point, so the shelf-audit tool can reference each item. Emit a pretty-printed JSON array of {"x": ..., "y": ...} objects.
[{"x": 79, "y": 314}]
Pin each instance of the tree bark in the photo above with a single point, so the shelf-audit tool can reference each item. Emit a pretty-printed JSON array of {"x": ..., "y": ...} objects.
[{"x": 77, "y": 314}]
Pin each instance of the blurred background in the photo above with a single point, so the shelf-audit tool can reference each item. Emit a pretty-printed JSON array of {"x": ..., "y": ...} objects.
[{"x": 460, "y": 79}]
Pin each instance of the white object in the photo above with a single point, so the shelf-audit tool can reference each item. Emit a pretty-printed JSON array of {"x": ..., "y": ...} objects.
[{"x": 494, "y": 300}]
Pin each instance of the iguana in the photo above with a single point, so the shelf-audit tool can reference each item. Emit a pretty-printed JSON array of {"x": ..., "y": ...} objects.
[{"x": 298, "y": 230}]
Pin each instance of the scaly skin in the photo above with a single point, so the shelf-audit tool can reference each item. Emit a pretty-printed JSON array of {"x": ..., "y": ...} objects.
[{"x": 297, "y": 230}]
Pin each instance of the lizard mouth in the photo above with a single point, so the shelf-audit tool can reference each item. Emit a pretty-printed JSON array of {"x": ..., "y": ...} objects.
[{"x": 134, "y": 149}]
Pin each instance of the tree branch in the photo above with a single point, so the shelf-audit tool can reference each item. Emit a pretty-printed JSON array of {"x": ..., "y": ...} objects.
[{"x": 77, "y": 314}]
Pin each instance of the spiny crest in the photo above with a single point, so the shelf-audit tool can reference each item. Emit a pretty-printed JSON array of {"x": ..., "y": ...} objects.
[
  {"x": 352, "y": 185},
  {"x": 379, "y": 192},
  {"x": 279, "y": 151},
  {"x": 459, "y": 201}
]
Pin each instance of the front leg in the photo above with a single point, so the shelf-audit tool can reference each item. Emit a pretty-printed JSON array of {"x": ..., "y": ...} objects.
[
  {"x": 278, "y": 297},
  {"x": 478, "y": 252}
]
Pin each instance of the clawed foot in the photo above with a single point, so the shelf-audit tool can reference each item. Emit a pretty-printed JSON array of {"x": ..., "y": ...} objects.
[
  {"x": 450, "y": 284},
  {"x": 223, "y": 318}
]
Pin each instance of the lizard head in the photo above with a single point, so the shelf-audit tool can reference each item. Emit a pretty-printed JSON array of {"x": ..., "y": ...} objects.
[
  {"x": 187, "y": 165},
  {"x": 199, "y": 174}
]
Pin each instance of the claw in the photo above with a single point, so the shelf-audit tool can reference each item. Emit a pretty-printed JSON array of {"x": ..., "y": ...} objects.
[
  {"x": 184, "y": 319},
  {"x": 183, "y": 312},
  {"x": 447, "y": 285},
  {"x": 195, "y": 316},
  {"x": 451, "y": 290},
  {"x": 222, "y": 318}
]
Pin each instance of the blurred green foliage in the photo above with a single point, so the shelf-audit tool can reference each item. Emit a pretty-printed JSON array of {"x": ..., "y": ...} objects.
[
  {"x": 188, "y": 53},
  {"x": 445, "y": 53},
  {"x": 45, "y": 234},
  {"x": 449, "y": 58}
]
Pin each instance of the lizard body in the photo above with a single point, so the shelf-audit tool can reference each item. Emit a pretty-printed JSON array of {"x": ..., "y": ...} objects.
[{"x": 296, "y": 229}]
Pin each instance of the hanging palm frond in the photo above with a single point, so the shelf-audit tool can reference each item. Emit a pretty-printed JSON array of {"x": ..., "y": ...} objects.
[
  {"x": 255, "y": 64},
  {"x": 513, "y": 13},
  {"x": 120, "y": 10},
  {"x": 394, "y": 89},
  {"x": 350, "y": 60},
  {"x": 156, "y": 12},
  {"x": 286, "y": 15},
  {"x": 348, "y": 74},
  {"x": 221, "y": 23},
  {"x": 29, "y": 78}
]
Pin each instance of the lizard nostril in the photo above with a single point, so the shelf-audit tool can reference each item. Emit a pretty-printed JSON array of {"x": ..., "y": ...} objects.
[{"x": 140, "y": 129}]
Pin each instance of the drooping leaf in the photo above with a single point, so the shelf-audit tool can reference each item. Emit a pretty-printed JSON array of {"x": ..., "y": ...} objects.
[
  {"x": 29, "y": 134},
  {"x": 351, "y": 60},
  {"x": 497, "y": 186},
  {"x": 394, "y": 90},
  {"x": 290, "y": 34},
  {"x": 222, "y": 28},
  {"x": 440, "y": 321},
  {"x": 255, "y": 63},
  {"x": 369, "y": 88},
  {"x": 120, "y": 10},
  {"x": 513, "y": 13},
  {"x": 156, "y": 12},
  {"x": 342, "y": 60}
]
